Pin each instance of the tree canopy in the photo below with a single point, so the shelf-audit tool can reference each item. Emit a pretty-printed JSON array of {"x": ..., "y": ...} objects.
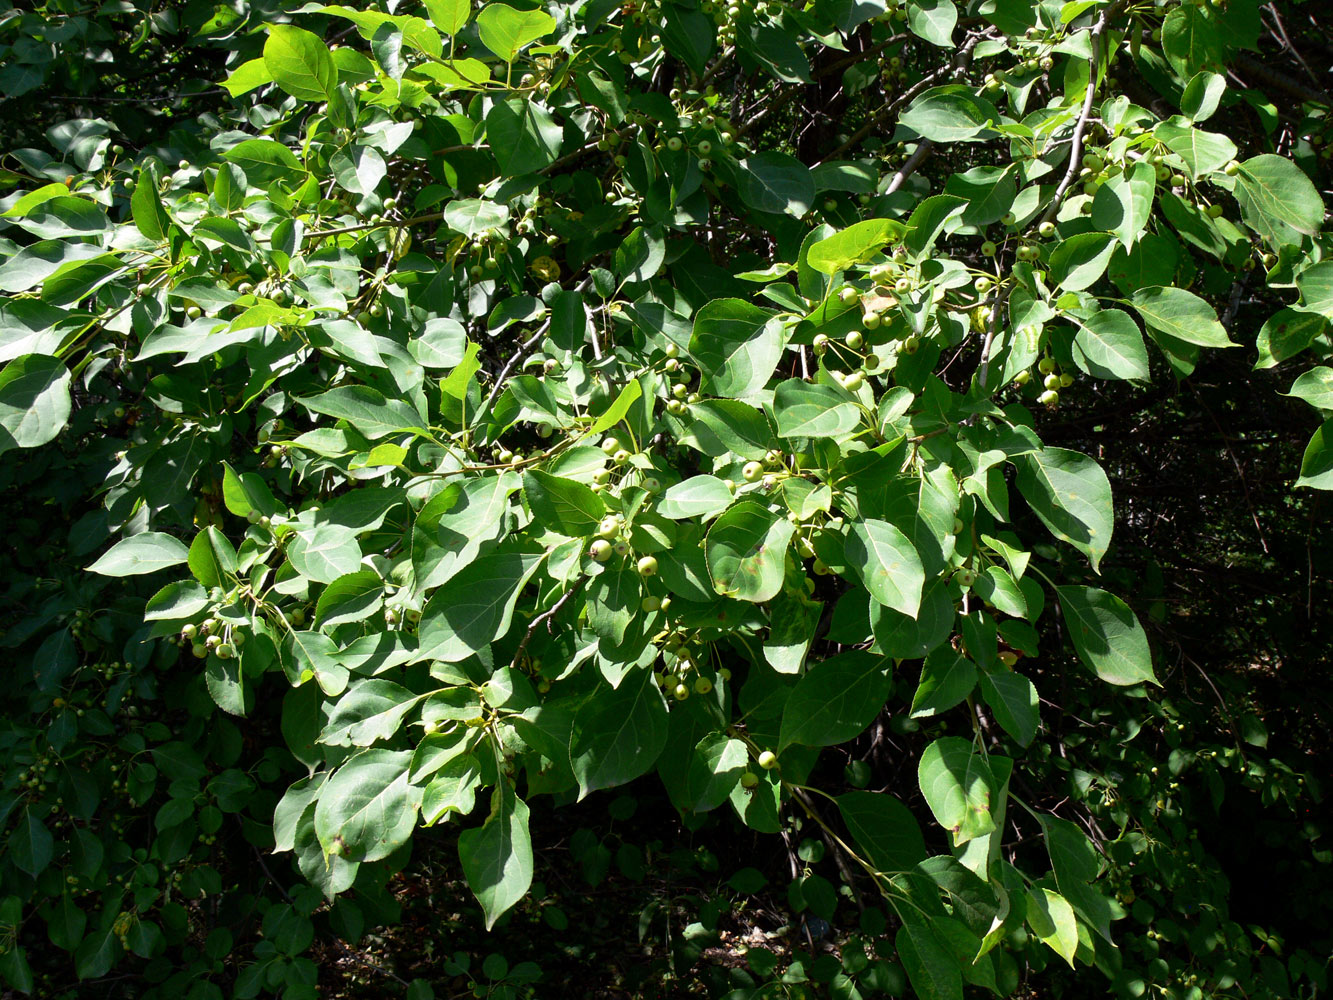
[{"x": 901, "y": 422}]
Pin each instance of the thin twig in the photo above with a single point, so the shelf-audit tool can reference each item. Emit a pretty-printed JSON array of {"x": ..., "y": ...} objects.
[
  {"x": 1286, "y": 40},
  {"x": 519, "y": 354},
  {"x": 1085, "y": 115},
  {"x": 546, "y": 616}
]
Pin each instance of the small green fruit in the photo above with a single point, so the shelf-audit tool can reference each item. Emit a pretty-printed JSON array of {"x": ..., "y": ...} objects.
[
  {"x": 752, "y": 471},
  {"x": 601, "y": 550},
  {"x": 768, "y": 760}
]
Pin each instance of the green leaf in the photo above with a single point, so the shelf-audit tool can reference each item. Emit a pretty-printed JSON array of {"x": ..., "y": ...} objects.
[
  {"x": 523, "y": 136},
  {"x": 1080, "y": 261},
  {"x": 265, "y": 161},
  {"x": 884, "y": 829},
  {"x": 988, "y": 190},
  {"x": 497, "y": 856},
  {"x": 1190, "y": 40},
  {"x": 746, "y": 549},
  {"x": 30, "y": 844},
  {"x": 247, "y": 76},
  {"x": 314, "y": 654},
  {"x": 1076, "y": 863},
  {"x": 1316, "y": 287},
  {"x": 1317, "y": 462},
  {"x": 1202, "y": 95},
  {"x": 359, "y": 169},
  {"x": 97, "y": 953},
  {"x": 835, "y": 700},
  {"x": 474, "y": 216},
  {"x": 775, "y": 182},
  {"x": 474, "y": 608},
  {"x": 370, "y": 710},
  {"x": 689, "y": 36},
  {"x": 564, "y": 505},
  {"x": 1013, "y": 700},
  {"x": 33, "y": 200},
  {"x": 453, "y": 790},
  {"x": 58, "y": 218},
  {"x": 1052, "y": 919},
  {"x": 884, "y": 559},
  {"x": 505, "y": 30},
  {"x": 947, "y": 678},
  {"x": 697, "y": 497},
  {"x": 146, "y": 552},
  {"x": 806, "y": 410},
  {"x": 1286, "y": 334},
  {"x": 28, "y": 326},
  {"x": 1123, "y": 204},
  {"x": 37, "y": 262},
  {"x": 456, "y": 524},
  {"x": 34, "y": 401},
  {"x": 178, "y": 601},
  {"x": 1071, "y": 495},
  {"x": 1277, "y": 200},
  {"x": 737, "y": 346},
  {"x": 618, "y": 734},
  {"x": 368, "y": 807},
  {"x": 854, "y": 245},
  {"x": 150, "y": 218},
  {"x": 212, "y": 559},
  {"x": 933, "y": 20},
  {"x": 367, "y": 410},
  {"x": 716, "y": 765},
  {"x": 641, "y": 255},
  {"x": 1108, "y": 344},
  {"x": 934, "y": 972},
  {"x": 1203, "y": 152},
  {"x": 617, "y": 411},
  {"x": 350, "y": 598},
  {"x": 951, "y": 114},
  {"x": 300, "y": 63},
  {"x": 229, "y": 187},
  {"x": 959, "y": 788},
  {"x": 1107, "y": 635},
  {"x": 66, "y": 924},
  {"x": 325, "y": 552},
  {"x": 728, "y": 427},
  {"x": 777, "y": 51},
  {"x": 449, "y": 15},
  {"x": 442, "y": 343},
  {"x": 1315, "y": 387}
]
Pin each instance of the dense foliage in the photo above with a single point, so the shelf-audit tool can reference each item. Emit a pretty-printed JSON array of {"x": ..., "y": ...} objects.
[{"x": 420, "y": 419}]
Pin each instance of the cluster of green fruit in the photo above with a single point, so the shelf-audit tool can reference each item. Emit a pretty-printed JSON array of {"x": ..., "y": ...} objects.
[
  {"x": 1053, "y": 380},
  {"x": 612, "y": 541},
  {"x": 214, "y": 636}
]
